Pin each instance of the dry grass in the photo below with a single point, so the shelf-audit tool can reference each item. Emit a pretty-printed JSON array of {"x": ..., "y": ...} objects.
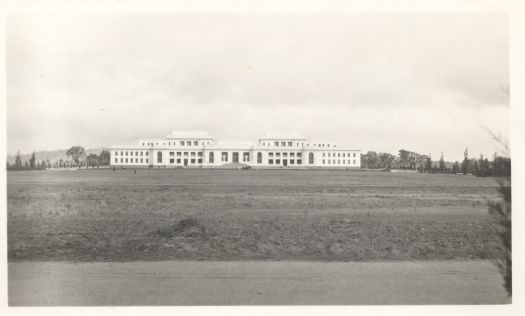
[{"x": 244, "y": 215}]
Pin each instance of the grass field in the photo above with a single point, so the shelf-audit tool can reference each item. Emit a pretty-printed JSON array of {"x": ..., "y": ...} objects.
[{"x": 104, "y": 215}]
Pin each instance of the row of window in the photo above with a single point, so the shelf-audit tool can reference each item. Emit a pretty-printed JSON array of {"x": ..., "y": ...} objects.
[
  {"x": 290, "y": 144},
  {"x": 285, "y": 162},
  {"x": 278, "y": 154},
  {"x": 130, "y": 153},
  {"x": 337, "y": 154},
  {"x": 337, "y": 162},
  {"x": 186, "y": 143},
  {"x": 130, "y": 160}
]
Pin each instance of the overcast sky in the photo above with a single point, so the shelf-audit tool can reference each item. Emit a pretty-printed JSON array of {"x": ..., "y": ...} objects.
[{"x": 426, "y": 82}]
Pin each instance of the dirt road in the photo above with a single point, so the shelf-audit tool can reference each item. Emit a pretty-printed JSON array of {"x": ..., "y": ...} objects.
[{"x": 254, "y": 283}]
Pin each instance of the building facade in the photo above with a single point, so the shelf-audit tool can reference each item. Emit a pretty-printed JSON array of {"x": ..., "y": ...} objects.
[{"x": 199, "y": 149}]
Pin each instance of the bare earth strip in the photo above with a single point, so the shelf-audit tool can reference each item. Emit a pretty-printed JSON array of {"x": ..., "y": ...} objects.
[{"x": 254, "y": 283}]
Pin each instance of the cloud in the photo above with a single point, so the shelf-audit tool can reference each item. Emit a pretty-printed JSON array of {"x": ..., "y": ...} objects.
[{"x": 107, "y": 79}]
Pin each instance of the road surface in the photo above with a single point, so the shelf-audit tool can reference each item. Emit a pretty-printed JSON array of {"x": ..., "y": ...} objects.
[{"x": 253, "y": 283}]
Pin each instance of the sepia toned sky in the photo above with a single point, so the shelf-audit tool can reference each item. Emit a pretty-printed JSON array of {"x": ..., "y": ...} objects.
[{"x": 427, "y": 82}]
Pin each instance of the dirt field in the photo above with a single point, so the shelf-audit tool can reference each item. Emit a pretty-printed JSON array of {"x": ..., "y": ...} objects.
[{"x": 104, "y": 215}]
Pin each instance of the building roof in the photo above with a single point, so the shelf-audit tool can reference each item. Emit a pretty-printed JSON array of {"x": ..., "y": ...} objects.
[
  {"x": 283, "y": 135},
  {"x": 232, "y": 145},
  {"x": 189, "y": 135}
]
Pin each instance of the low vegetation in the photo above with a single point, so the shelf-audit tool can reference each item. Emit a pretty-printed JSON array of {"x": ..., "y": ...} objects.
[{"x": 248, "y": 215}]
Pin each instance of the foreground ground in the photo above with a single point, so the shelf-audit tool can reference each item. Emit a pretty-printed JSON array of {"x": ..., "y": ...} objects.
[
  {"x": 254, "y": 283},
  {"x": 104, "y": 215}
]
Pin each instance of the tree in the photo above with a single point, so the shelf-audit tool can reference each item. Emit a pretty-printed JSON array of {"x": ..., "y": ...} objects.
[
  {"x": 18, "y": 162},
  {"x": 386, "y": 160},
  {"x": 104, "y": 158},
  {"x": 464, "y": 165},
  {"x": 455, "y": 167},
  {"x": 32, "y": 161},
  {"x": 501, "y": 211},
  {"x": 404, "y": 156},
  {"x": 92, "y": 160},
  {"x": 428, "y": 164},
  {"x": 369, "y": 160},
  {"x": 442, "y": 166},
  {"x": 475, "y": 168},
  {"x": 77, "y": 153}
]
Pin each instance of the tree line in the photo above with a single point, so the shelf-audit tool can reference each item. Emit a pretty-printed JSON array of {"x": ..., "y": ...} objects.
[
  {"x": 77, "y": 155},
  {"x": 408, "y": 160}
]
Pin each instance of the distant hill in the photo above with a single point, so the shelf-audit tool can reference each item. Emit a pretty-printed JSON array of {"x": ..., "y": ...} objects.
[{"x": 52, "y": 155}]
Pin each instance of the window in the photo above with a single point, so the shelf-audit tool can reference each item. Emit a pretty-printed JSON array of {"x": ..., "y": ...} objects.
[
  {"x": 323, "y": 162},
  {"x": 142, "y": 153},
  {"x": 159, "y": 157},
  {"x": 278, "y": 161},
  {"x": 147, "y": 160},
  {"x": 147, "y": 153},
  {"x": 142, "y": 143},
  {"x": 211, "y": 157},
  {"x": 179, "y": 153},
  {"x": 270, "y": 161},
  {"x": 338, "y": 154},
  {"x": 338, "y": 161},
  {"x": 122, "y": 153},
  {"x": 292, "y": 161},
  {"x": 195, "y": 143},
  {"x": 199, "y": 160},
  {"x": 224, "y": 157},
  {"x": 259, "y": 157},
  {"x": 199, "y": 154},
  {"x": 116, "y": 160},
  {"x": 141, "y": 160},
  {"x": 126, "y": 153},
  {"x": 121, "y": 160},
  {"x": 344, "y": 161},
  {"x": 193, "y": 160},
  {"x": 188, "y": 143},
  {"x": 192, "y": 154},
  {"x": 245, "y": 156},
  {"x": 178, "y": 160},
  {"x": 136, "y": 153},
  {"x": 292, "y": 154},
  {"x": 283, "y": 144},
  {"x": 290, "y": 144},
  {"x": 311, "y": 158},
  {"x": 354, "y": 162},
  {"x": 270, "y": 154},
  {"x": 185, "y": 153},
  {"x": 131, "y": 153},
  {"x": 276, "y": 144},
  {"x": 299, "y": 155},
  {"x": 348, "y": 161},
  {"x": 116, "y": 153},
  {"x": 172, "y": 153},
  {"x": 328, "y": 154},
  {"x": 354, "y": 155},
  {"x": 323, "y": 154},
  {"x": 278, "y": 154},
  {"x": 182, "y": 143},
  {"x": 299, "y": 161},
  {"x": 285, "y": 154},
  {"x": 172, "y": 160},
  {"x": 136, "y": 160},
  {"x": 126, "y": 160}
]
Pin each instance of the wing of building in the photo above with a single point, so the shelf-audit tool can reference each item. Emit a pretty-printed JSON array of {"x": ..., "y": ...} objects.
[{"x": 200, "y": 149}]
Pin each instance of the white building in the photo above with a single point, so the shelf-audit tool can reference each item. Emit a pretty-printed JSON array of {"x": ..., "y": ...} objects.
[{"x": 199, "y": 149}]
